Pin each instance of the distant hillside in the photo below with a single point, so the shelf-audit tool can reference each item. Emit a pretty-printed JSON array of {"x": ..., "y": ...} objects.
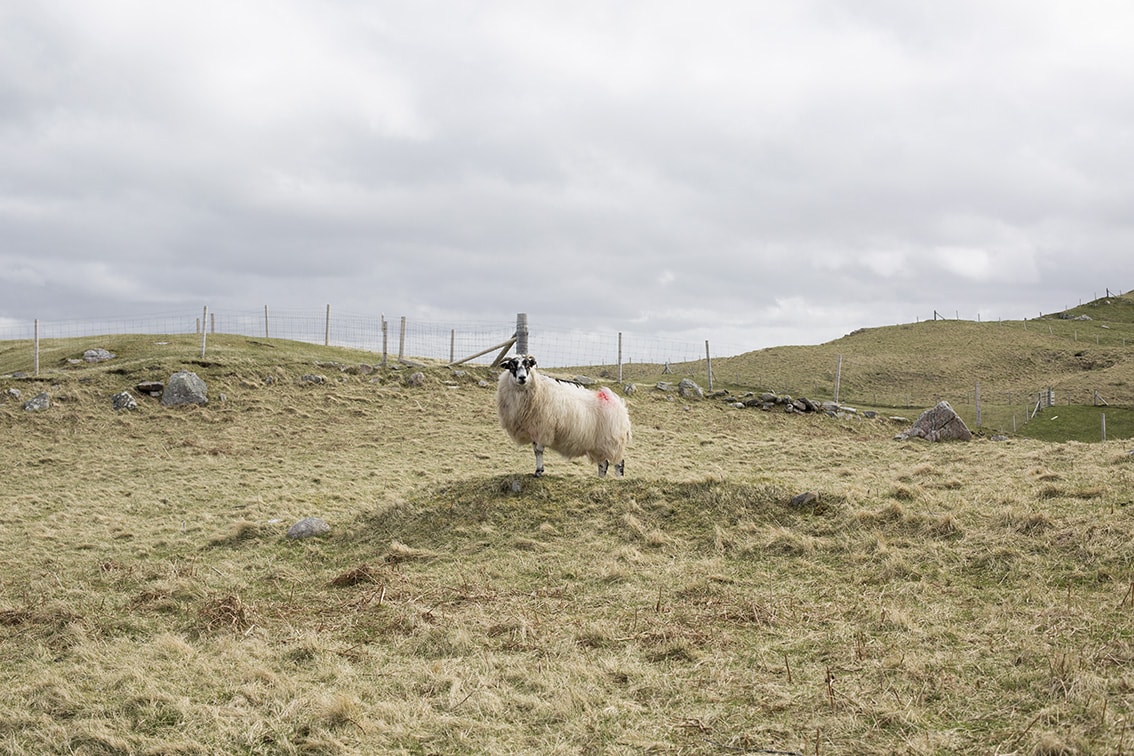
[{"x": 913, "y": 363}]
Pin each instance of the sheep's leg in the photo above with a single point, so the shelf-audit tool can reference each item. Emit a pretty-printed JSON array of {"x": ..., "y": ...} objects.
[
  {"x": 620, "y": 469},
  {"x": 602, "y": 468},
  {"x": 538, "y": 459}
]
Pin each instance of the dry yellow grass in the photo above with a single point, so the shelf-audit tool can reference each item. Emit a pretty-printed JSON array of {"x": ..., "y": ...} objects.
[{"x": 931, "y": 599}]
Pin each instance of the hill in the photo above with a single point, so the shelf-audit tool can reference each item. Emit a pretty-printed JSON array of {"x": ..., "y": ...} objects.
[
  {"x": 911, "y": 367},
  {"x": 921, "y": 598}
]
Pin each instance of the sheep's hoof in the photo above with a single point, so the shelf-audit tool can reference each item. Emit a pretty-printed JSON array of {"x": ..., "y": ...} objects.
[{"x": 538, "y": 473}]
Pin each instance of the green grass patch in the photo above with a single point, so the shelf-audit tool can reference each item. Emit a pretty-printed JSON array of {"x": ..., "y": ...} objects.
[{"x": 1079, "y": 423}]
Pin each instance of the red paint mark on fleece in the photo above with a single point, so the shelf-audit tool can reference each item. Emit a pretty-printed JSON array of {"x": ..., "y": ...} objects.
[{"x": 604, "y": 395}]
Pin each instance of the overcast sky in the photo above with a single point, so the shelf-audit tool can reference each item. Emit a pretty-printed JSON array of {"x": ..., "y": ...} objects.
[{"x": 759, "y": 172}]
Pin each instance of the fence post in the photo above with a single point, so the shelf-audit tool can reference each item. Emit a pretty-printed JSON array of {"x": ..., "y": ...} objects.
[
  {"x": 402, "y": 341},
  {"x": 839, "y": 372},
  {"x": 620, "y": 356},
  {"x": 521, "y": 333},
  {"x": 35, "y": 350},
  {"x": 452, "y": 345},
  {"x": 204, "y": 319},
  {"x": 385, "y": 336},
  {"x": 1104, "y": 426},
  {"x": 976, "y": 399},
  {"x": 327, "y": 329},
  {"x": 709, "y": 364},
  {"x": 266, "y": 322}
]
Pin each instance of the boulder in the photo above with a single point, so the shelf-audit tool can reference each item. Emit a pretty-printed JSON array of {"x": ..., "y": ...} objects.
[
  {"x": 184, "y": 387},
  {"x": 940, "y": 423},
  {"x": 688, "y": 389}
]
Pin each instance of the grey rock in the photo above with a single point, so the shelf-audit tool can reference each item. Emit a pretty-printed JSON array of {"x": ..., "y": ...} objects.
[
  {"x": 416, "y": 379},
  {"x": 184, "y": 387},
  {"x": 152, "y": 388},
  {"x": 313, "y": 378},
  {"x": 308, "y": 527},
  {"x": 124, "y": 400},
  {"x": 688, "y": 389},
  {"x": 98, "y": 355},
  {"x": 804, "y": 499},
  {"x": 38, "y": 403},
  {"x": 940, "y": 423}
]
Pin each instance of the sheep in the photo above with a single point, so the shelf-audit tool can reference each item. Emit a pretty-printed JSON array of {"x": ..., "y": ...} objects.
[{"x": 562, "y": 416}]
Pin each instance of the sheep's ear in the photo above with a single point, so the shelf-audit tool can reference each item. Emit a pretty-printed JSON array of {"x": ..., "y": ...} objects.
[
  {"x": 529, "y": 361},
  {"x": 509, "y": 364}
]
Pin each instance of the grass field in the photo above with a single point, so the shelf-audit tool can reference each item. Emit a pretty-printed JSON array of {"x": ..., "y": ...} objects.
[{"x": 928, "y": 599}]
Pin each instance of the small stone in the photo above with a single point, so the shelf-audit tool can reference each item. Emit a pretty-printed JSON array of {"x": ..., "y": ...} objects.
[
  {"x": 38, "y": 403},
  {"x": 124, "y": 400},
  {"x": 308, "y": 527},
  {"x": 98, "y": 355},
  {"x": 804, "y": 499},
  {"x": 151, "y": 388}
]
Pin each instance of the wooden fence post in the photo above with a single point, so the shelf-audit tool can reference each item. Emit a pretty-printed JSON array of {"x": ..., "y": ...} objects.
[
  {"x": 839, "y": 372},
  {"x": 976, "y": 400},
  {"x": 266, "y": 322},
  {"x": 35, "y": 350},
  {"x": 402, "y": 341},
  {"x": 327, "y": 328},
  {"x": 521, "y": 333},
  {"x": 620, "y": 356},
  {"x": 204, "y": 319},
  {"x": 385, "y": 336},
  {"x": 452, "y": 345},
  {"x": 709, "y": 364}
]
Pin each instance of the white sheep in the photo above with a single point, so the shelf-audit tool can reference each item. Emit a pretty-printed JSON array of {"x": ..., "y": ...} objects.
[{"x": 562, "y": 416}]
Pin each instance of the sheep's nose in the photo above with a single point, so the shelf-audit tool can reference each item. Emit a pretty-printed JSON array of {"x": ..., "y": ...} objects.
[{"x": 521, "y": 379}]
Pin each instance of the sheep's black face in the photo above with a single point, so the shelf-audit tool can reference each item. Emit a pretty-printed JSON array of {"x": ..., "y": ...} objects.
[{"x": 520, "y": 368}]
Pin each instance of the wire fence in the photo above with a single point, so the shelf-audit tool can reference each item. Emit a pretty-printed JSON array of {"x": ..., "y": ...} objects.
[
  {"x": 387, "y": 338},
  {"x": 624, "y": 355}
]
